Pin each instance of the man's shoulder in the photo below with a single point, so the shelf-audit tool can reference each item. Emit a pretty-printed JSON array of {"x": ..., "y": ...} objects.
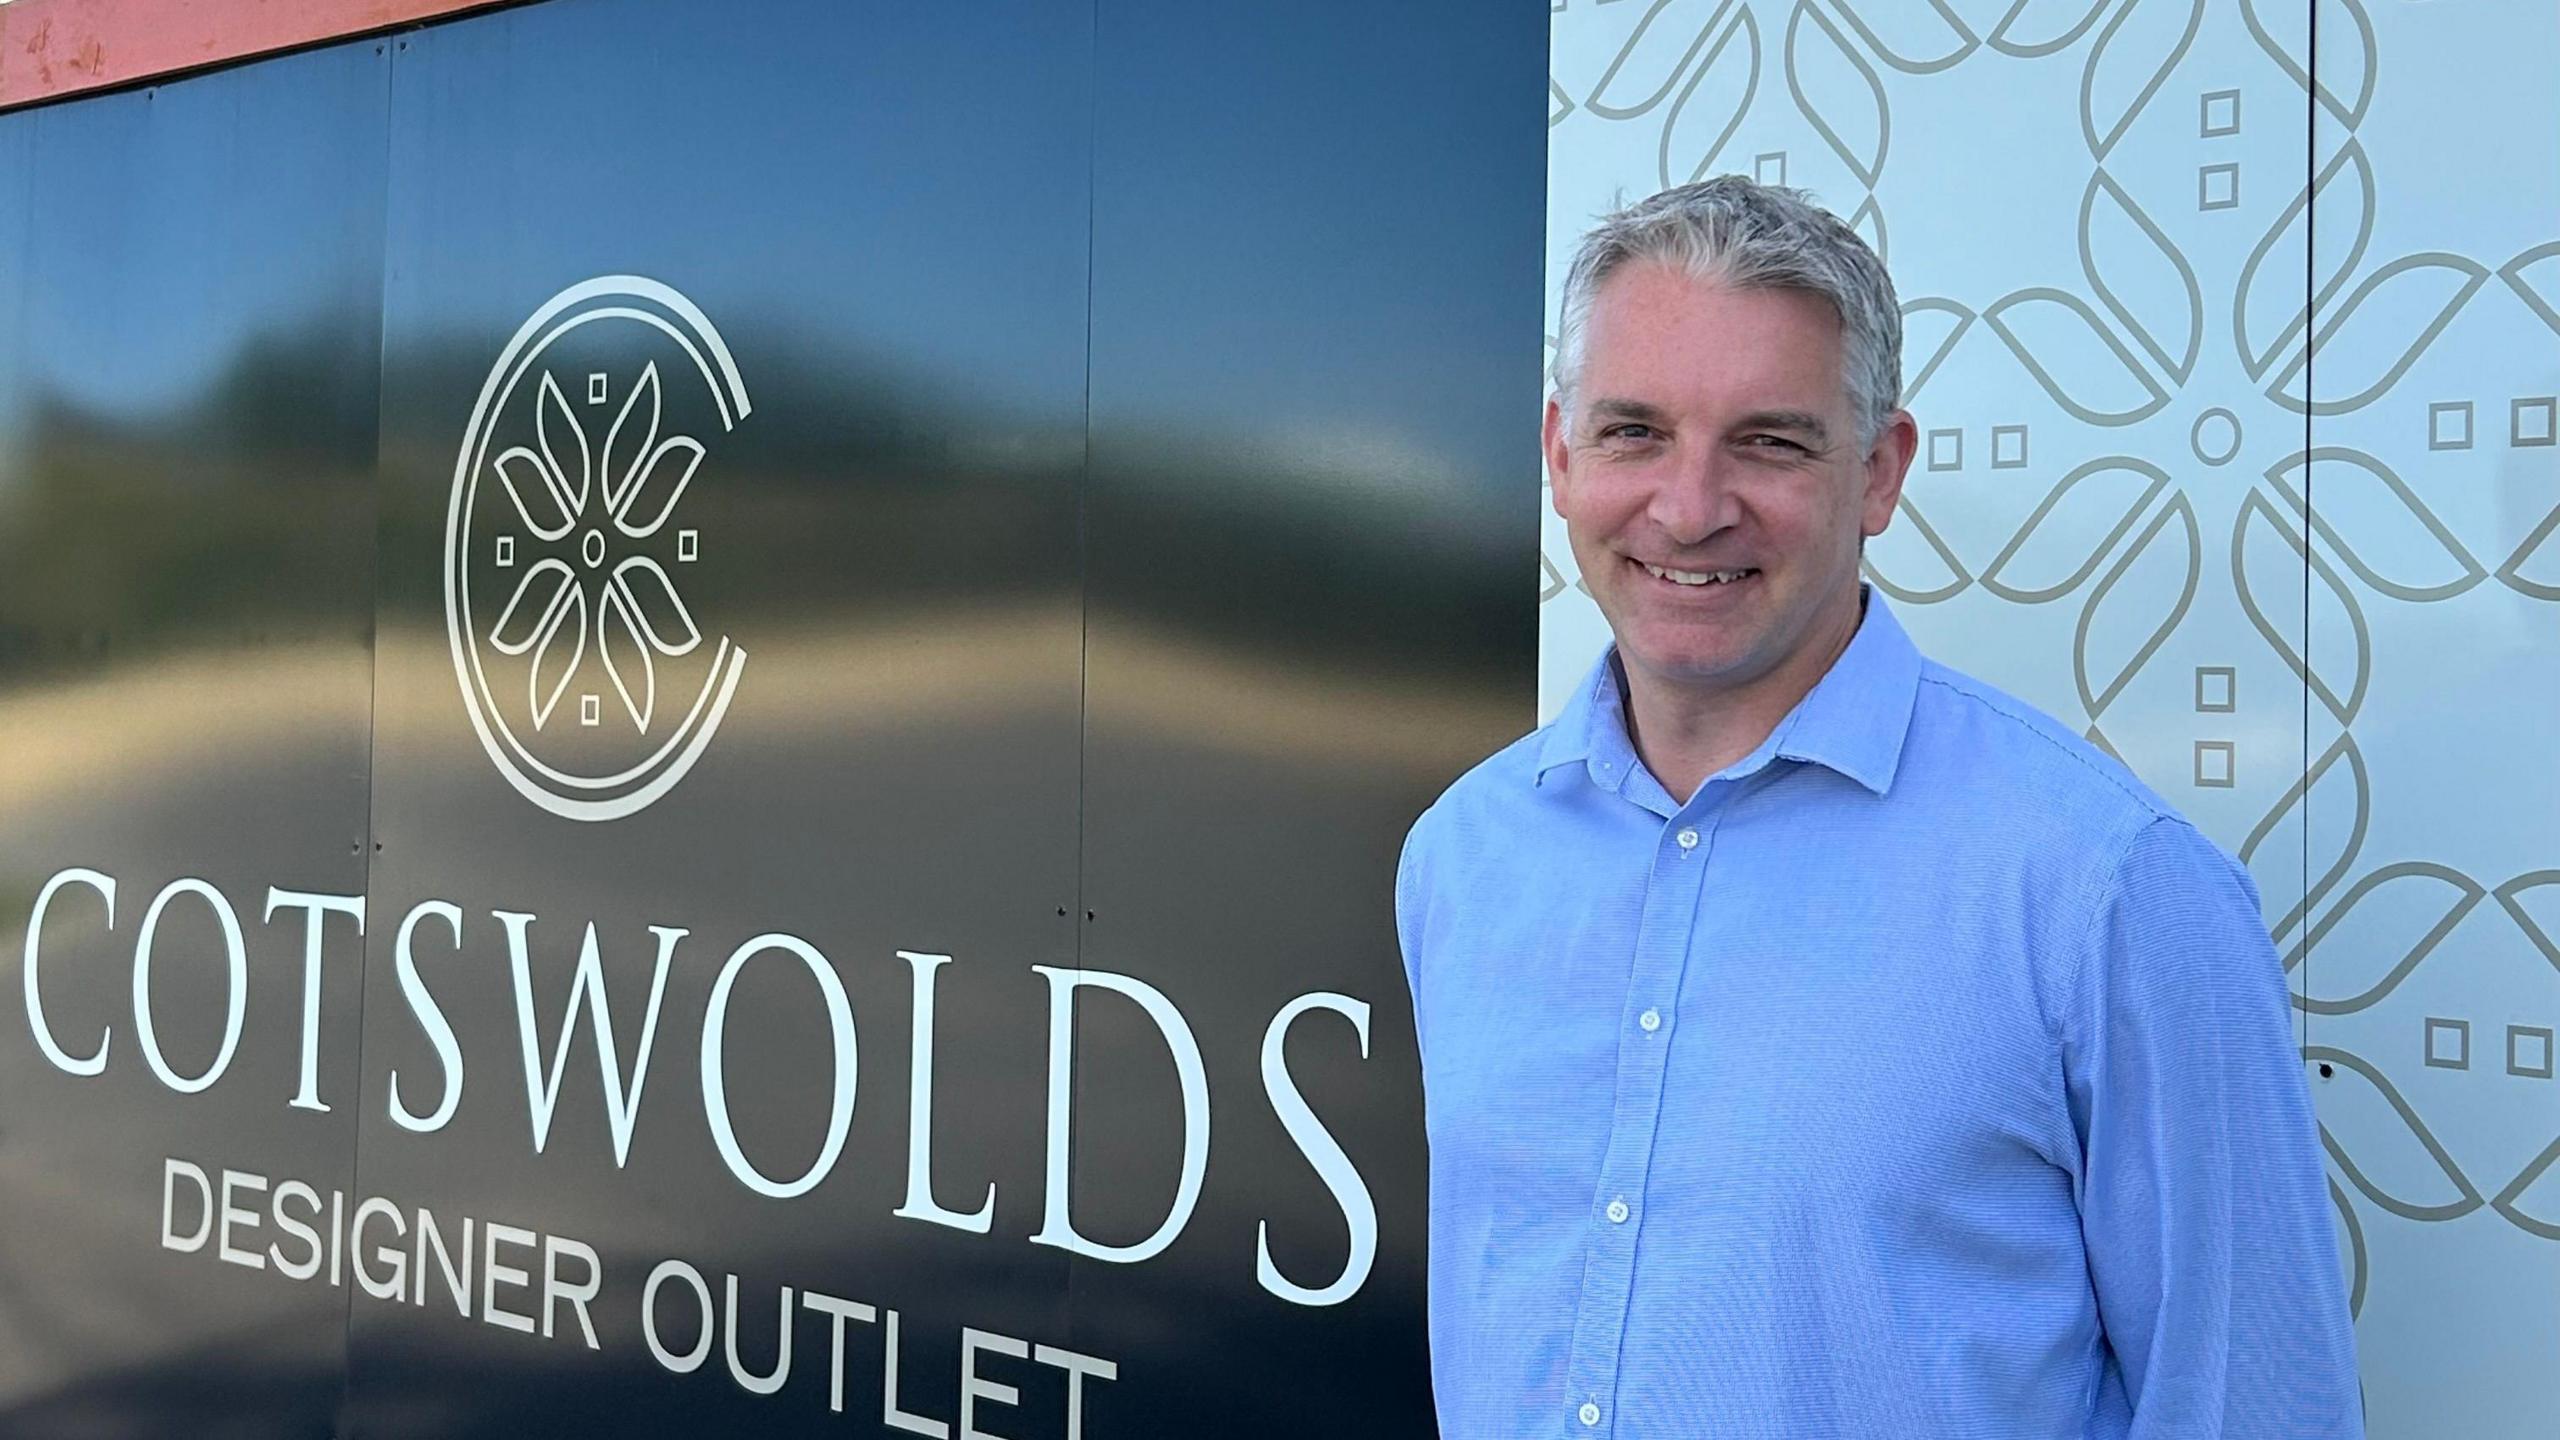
[
  {"x": 1993, "y": 746},
  {"x": 1499, "y": 779}
]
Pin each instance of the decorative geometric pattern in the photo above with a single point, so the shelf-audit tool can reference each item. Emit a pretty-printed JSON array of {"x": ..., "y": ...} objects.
[{"x": 2263, "y": 280}]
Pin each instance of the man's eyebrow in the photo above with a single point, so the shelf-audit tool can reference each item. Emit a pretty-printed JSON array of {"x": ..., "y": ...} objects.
[
  {"x": 1801, "y": 422},
  {"x": 1636, "y": 410}
]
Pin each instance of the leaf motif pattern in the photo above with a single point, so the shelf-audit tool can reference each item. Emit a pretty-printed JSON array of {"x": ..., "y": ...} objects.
[
  {"x": 558, "y": 651},
  {"x": 2334, "y": 784},
  {"x": 2421, "y": 292},
  {"x": 528, "y": 613},
  {"x": 2395, "y": 1159},
  {"x": 526, "y": 477},
  {"x": 654, "y": 607},
  {"x": 2118, "y": 240},
  {"x": 1837, "y": 92},
  {"x": 652, "y": 498},
  {"x": 2270, "y": 583},
  {"x": 2344, "y": 85},
  {"x": 2122, "y": 620},
  {"x": 2535, "y": 277},
  {"x": 1911, "y": 563},
  {"x": 2035, "y": 28},
  {"x": 1869, "y": 223},
  {"x": 1712, "y": 104},
  {"x": 626, "y": 658},
  {"x": 628, "y": 443},
  {"x": 2545, "y": 938},
  {"x": 1930, "y": 330},
  {"x": 2269, "y": 312},
  {"x": 2534, "y": 568},
  {"x": 2104, "y": 497},
  {"x": 1644, "y": 69},
  {"x": 565, "y": 604},
  {"x": 2531, "y": 1201},
  {"x": 2367, "y": 510},
  {"x": 1916, "y": 39},
  {"x": 564, "y": 447},
  {"x": 2053, "y": 330},
  {"x": 2131, "y": 61},
  {"x": 2418, "y": 896}
]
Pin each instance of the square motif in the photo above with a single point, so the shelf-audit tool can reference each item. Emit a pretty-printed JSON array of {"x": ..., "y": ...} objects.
[
  {"x": 2220, "y": 114},
  {"x": 2449, "y": 425},
  {"x": 1771, "y": 168},
  {"x": 2448, "y": 1044},
  {"x": 2215, "y": 761},
  {"x": 590, "y": 710},
  {"x": 2529, "y": 1051},
  {"x": 688, "y": 544},
  {"x": 2218, "y": 187},
  {"x": 2008, "y": 447},
  {"x": 506, "y": 551},
  {"x": 1946, "y": 449},
  {"x": 2533, "y": 420},
  {"x": 2217, "y": 689},
  {"x": 595, "y": 388}
]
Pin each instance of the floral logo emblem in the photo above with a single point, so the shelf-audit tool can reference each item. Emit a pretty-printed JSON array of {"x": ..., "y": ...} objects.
[{"x": 585, "y": 672}]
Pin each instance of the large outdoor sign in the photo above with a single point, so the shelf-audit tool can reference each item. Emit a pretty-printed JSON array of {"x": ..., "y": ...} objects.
[{"x": 460, "y": 994}]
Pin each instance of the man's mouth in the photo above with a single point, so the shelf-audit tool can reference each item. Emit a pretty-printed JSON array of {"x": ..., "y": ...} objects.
[{"x": 1696, "y": 577}]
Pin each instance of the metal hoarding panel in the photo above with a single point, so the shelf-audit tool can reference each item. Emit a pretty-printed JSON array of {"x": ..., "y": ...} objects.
[
  {"x": 190, "y": 290},
  {"x": 733, "y": 426},
  {"x": 1314, "y": 382}
]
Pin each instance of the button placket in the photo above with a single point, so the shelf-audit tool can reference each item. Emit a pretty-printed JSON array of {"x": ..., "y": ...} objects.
[{"x": 1661, "y": 954}]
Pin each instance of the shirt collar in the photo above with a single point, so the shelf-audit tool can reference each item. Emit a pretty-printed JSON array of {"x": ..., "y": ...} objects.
[{"x": 1853, "y": 720}]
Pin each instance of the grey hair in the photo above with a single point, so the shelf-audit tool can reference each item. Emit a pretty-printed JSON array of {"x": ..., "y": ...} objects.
[{"x": 1737, "y": 232}]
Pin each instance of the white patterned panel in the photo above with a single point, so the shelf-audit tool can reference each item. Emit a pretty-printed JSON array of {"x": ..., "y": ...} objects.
[
  {"x": 2102, "y": 220},
  {"x": 2433, "y": 976}
]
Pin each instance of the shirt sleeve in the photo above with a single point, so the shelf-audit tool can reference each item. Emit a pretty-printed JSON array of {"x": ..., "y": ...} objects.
[
  {"x": 2203, "y": 1202},
  {"x": 1409, "y": 908}
]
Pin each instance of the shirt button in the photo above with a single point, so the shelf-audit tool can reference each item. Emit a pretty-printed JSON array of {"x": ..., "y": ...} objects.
[
  {"x": 1590, "y": 1413},
  {"x": 1651, "y": 1020},
  {"x": 1688, "y": 839},
  {"x": 1617, "y": 1212}
]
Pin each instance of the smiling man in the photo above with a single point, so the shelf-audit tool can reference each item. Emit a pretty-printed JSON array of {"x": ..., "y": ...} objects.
[{"x": 1816, "y": 1041}]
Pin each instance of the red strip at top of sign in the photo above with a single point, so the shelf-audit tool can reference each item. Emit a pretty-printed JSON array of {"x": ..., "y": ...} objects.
[{"x": 53, "y": 48}]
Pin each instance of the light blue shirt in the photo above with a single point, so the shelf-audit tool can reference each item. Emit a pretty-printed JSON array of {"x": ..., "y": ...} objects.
[{"x": 1925, "y": 1075}]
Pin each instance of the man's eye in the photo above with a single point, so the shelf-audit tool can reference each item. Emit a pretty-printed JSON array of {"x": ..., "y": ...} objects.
[
  {"x": 1628, "y": 431},
  {"x": 1773, "y": 442}
]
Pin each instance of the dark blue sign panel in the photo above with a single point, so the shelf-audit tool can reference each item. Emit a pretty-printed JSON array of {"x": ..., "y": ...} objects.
[{"x": 709, "y": 721}]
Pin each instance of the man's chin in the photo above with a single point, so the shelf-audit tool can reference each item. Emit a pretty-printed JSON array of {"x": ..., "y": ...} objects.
[{"x": 1692, "y": 669}]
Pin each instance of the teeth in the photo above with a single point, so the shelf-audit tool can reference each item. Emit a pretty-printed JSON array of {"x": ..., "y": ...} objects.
[{"x": 1696, "y": 577}]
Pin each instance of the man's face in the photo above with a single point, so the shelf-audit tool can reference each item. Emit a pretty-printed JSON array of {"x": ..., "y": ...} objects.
[{"x": 1712, "y": 437}]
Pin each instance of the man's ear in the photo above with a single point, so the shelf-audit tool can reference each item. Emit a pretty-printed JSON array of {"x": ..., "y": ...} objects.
[
  {"x": 1551, "y": 438},
  {"x": 1887, "y": 463}
]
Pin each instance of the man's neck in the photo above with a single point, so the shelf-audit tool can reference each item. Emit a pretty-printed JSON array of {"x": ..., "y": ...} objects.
[{"x": 1683, "y": 736}]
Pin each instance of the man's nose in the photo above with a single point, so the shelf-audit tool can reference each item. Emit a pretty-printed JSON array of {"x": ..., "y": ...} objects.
[{"x": 1696, "y": 499}]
